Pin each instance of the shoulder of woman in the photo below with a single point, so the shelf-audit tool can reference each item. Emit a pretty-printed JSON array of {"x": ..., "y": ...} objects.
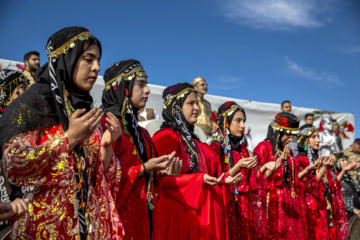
[{"x": 166, "y": 134}]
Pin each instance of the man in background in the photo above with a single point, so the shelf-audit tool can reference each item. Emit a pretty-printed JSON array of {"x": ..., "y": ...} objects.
[
  {"x": 336, "y": 130},
  {"x": 205, "y": 120},
  {"x": 309, "y": 118},
  {"x": 286, "y": 106},
  {"x": 32, "y": 63}
]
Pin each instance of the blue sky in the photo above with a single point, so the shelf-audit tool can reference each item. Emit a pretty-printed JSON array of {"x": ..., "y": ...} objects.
[{"x": 263, "y": 50}]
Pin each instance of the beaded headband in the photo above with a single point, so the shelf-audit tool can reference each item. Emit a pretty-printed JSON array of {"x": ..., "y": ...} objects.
[
  {"x": 140, "y": 72},
  {"x": 231, "y": 111},
  {"x": 179, "y": 95},
  {"x": 20, "y": 79},
  {"x": 69, "y": 44},
  {"x": 284, "y": 129},
  {"x": 307, "y": 134}
]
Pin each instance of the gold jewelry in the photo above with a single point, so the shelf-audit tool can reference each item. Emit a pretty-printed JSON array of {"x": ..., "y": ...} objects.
[
  {"x": 178, "y": 95},
  {"x": 69, "y": 44},
  {"x": 127, "y": 77},
  {"x": 293, "y": 194},
  {"x": 284, "y": 129}
]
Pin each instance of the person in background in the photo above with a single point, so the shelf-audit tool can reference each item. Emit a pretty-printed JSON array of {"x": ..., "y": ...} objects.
[
  {"x": 286, "y": 106},
  {"x": 146, "y": 114},
  {"x": 336, "y": 130},
  {"x": 12, "y": 84},
  {"x": 309, "y": 118},
  {"x": 12, "y": 206},
  {"x": 327, "y": 137},
  {"x": 205, "y": 120},
  {"x": 353, "y": 153},
  {"x": 32, "y": 63}
]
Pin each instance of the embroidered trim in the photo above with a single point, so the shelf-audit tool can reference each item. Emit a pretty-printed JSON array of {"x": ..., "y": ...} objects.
[
  {"x": 69, "y": 44},
  {"x": 307, "y": 134},
  {"x": 127, "y": 77},
  {"x": 285, "y": 129},
  {"x": 178, "y": 95}
]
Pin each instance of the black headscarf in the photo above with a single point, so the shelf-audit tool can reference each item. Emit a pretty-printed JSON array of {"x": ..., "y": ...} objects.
[
  {"x": 227, "y": 141},
  {"x": 45, "y": 103},
  {"x": 282, "y": 123},
  {"x": 9, "y": 81},
  {"x": 303, "y": 143},
  {"x": 119, "y": 81},
  {"x": 53, "y": 99},
  {"x": 174, "y": 98}
]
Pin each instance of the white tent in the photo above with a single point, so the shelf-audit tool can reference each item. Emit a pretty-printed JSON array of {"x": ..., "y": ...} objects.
[{"x": 258, "y": 114}]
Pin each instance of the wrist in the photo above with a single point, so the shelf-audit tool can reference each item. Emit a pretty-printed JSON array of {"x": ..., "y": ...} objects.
[{"x": 145, "y": 169}]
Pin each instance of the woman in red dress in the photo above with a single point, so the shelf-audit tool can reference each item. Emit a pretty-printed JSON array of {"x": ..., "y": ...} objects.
[
  {"x": 246, "y": 213},
  {"x": 125, "y": 93},
  {"x": 285, "y": 207},
  {"x": 325, "y": 209},
  {"x": 192, "y": 203},
  {"x": 53, "y": 146}
]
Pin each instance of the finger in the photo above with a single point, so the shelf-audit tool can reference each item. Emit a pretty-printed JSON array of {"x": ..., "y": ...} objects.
[
  {"x": 111, "y": 130},
  {"x": 78, "y": 113},
  {"x": 27, "y": 200},
  {"x": 96, "y": 118},
  {"x": 171, "y": 155},
  {"x": 221, "y": 177},
  {"x": 89, "y": 114}
]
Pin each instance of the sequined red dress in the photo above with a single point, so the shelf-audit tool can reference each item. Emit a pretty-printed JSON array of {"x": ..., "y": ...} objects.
[
  {"x": 131, "y": 199},
  {"x": 285, "y": 205},
  {"x": 246, "y": 213},
  {"x": 318, "y": 210},
  {"x": 189, "y": 208},
  {"x": 41, "y": 158}
]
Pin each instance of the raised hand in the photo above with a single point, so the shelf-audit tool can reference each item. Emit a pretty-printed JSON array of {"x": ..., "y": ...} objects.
[
  {"x": 174, "y": 168},
  {"x": 352, "y": 165},
  {"x": 159, "y": 163},
  {"x": 212, "y": 181},
  {"x": 113, "y": 131},
  {"x": 243, "y": 163},
  {"x": 82, "y": 127},
  {"x": 233, "y": 180}
]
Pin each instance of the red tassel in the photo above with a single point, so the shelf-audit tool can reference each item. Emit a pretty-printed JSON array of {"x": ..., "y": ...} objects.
[
  {"x": 115, "y": 87},
  {"x": 321, "y": 127},
  {"x": 126, "y": 92}
]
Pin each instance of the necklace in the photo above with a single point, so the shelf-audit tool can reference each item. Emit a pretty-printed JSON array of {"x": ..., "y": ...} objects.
[{"x": 293, "y": 179}]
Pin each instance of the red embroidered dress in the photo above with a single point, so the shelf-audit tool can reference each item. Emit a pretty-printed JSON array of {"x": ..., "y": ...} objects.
[
  {"x": 319, "y": 210},
  {"x": 190, "y": 209},
  {"x": 246, "y": 213},
  {"x": 40, "y": 158},
  {"x": 285, "y": 205},
  {"x": 131, "y": 199}
]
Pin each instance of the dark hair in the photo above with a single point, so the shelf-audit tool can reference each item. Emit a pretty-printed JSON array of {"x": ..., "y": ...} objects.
[
  {"x": 91, "y": 41},
  {"x": 309, "y": 115},
  {"x": 27, "y": 56},
  {"x": 333, "y": 120},
  {"x": 286, "y": 101},
  {"x": 357, "y": 141}
]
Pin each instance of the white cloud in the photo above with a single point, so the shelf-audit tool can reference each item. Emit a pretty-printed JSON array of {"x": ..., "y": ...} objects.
[
  {"x": 227, "y": 82},
  {"x": 323, "y": 79},
  {"x": 276, "y": 14}
]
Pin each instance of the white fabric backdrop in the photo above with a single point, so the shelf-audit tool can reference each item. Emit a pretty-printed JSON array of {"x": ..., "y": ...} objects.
[{"x": 259, "y": 114}]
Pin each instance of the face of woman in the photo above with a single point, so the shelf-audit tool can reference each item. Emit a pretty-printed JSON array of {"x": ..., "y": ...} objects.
[
  {"x": 314, "y": 140},
  {"x": 190, "y": 108},
  {"x": 140, "y": 93},
  {"x": 237, "y": 124},
  {"x": 20, "y": 89},
  {"x": 87, "y": 68},
  {"x": 286, "y": 139}
]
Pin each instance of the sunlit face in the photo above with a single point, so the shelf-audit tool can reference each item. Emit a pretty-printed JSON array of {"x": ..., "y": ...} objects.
[
  {"x": 335, "y": 126},
  {"x": 286, "y": 139},
  {"x": 87, "y": 68},
  {"x": 286, "y": 107},
  {"x": 309, "y": 120},
  {"x": 33, "y": 63},
  {"x": 20, "y": 89},
  {"x": 356, "y": 148},
  {"x": 190, "y": 108},
  {"x": 237, "y": 125},
  {"x": 314, "y": 140},
  {"x": 140, "y": 92},
  {"x": 201, "y": 87}
]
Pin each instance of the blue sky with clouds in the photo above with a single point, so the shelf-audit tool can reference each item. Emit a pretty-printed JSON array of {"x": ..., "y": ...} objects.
[{"x": 307, "y": 51}]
